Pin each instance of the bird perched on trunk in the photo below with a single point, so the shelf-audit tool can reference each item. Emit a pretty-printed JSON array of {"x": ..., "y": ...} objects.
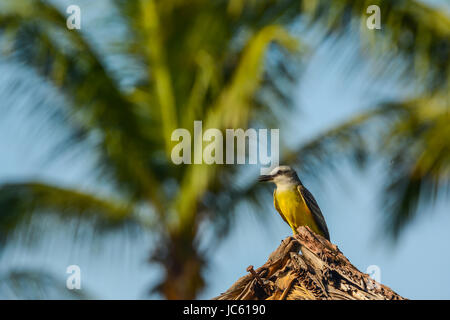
[{"x": 295, "y": 204}]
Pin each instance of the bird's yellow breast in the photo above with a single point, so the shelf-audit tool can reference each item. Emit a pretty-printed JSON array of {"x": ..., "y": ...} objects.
[{"x": 293, "y": 207}]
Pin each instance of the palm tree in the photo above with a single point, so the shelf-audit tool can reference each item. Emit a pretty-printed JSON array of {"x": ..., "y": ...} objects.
[{"x": 208, "y": 60}]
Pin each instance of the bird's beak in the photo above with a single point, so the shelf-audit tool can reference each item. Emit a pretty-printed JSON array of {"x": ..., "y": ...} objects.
[{"x": 264, "y": 178}]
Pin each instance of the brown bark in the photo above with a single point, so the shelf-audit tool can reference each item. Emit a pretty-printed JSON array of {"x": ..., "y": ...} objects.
[{"x": 307, "y": 266}]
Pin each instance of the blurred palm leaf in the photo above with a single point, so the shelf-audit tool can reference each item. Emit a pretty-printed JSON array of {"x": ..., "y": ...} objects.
[
  {"x": 419, "y": 156},
  {"x": 19, "y": 200},
  {"x": 32, "y": 285}
]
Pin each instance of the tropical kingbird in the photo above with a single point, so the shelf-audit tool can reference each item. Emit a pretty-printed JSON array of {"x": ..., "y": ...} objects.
[{"x": 295, "y": 204}]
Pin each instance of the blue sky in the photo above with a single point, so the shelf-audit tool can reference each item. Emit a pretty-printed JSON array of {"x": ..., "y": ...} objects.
[{"x": 328, "y": 91}]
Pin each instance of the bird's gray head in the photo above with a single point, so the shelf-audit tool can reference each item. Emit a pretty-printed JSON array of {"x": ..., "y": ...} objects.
[{"x": 282, "y": 176}]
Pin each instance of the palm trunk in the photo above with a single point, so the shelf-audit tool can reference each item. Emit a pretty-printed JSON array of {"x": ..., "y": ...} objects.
[{"x": 183, "y": 266}]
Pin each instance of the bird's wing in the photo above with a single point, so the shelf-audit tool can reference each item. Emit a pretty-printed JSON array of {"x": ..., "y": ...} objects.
[
  {"x": 314, "y": 208},
  {"x": 275, "y": 204}
]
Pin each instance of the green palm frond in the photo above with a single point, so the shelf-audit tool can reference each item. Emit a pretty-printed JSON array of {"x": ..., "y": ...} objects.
[
  {"x": 418, "y": 32},
  {"x": 159, "y": 69},
  {"x": 412, "y": 27},
  {"x": 35, "y": 285},
  {"x": 19, "y": 201},
  {"x": 98, "y": 107},
  {"x": 419, "y": 158},
  {"x": 232, "y": 110}
]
